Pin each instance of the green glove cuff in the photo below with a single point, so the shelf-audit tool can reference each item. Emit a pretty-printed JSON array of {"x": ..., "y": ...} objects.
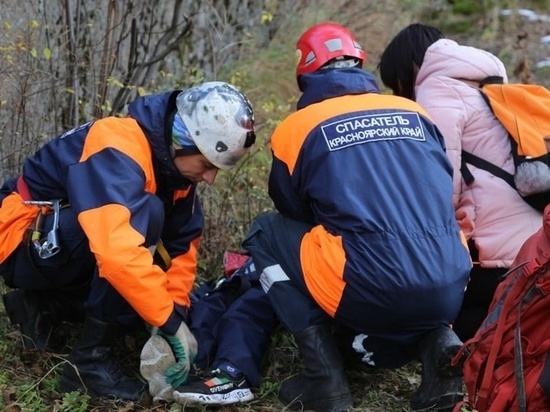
[{"x": 177, "y": 347}]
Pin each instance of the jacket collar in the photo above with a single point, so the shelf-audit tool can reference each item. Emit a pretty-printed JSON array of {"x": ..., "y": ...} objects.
[
  {"x": 325, "y": 84},
  {"x": 154, "y": 114}
]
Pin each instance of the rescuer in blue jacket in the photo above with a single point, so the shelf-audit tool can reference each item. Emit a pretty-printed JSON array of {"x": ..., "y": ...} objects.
[
  {"x": 107, "y": 214},
  {"x": 364, "y": 233}
]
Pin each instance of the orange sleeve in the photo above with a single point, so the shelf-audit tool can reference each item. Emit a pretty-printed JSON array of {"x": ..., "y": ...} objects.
[
  {"x": 126, "y": 264},
  {"x": 15, "y": 218},
  {"x": 181, "y": 275}
]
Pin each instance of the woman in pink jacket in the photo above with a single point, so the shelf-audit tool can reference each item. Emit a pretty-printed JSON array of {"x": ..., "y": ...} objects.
[{"x": 443, "y": 77}]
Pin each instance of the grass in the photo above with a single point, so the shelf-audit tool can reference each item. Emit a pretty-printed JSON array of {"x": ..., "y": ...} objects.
[{"x": 29, "y": 380}]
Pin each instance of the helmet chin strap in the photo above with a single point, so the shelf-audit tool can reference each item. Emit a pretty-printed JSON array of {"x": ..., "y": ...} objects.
[
  {"x": 184, "y": 151},
  {"x": 342, "y": 62}
]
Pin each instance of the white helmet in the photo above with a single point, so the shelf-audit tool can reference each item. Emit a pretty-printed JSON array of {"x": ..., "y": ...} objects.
[{"x": 220, "y": 121}]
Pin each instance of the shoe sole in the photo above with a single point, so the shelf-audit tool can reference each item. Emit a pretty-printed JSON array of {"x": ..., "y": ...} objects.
[
  {"x": 445, "y": 403},
  {"x": 67, "y": 385},
  {"x": 341, "y": 404},
  {"x": 235, "y": 396}
]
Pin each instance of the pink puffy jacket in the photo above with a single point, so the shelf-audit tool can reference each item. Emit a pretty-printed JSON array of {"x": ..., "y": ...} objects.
[{"x": 489, "y": 211}]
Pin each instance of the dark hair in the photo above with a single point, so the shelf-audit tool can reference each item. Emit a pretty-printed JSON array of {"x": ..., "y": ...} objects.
[{"x": 407, "y": 47}]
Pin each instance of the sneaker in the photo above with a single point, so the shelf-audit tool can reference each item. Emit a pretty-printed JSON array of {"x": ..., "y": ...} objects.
[{"x": 217, "y": 389}]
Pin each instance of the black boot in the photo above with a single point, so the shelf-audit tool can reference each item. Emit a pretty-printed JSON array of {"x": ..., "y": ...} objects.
[
  {"x": 322, "y": 386},
  {"x": 441, "y": 387},
  {"x": 36, "y": 318},
  {"x": 92, "y": 366}
]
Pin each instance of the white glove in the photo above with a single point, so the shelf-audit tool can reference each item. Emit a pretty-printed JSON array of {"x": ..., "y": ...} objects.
[{"x": 155, "y": 359}]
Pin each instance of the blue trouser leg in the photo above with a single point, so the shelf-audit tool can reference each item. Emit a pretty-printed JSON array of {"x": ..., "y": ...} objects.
[
  {"x": 273, "y": 241},
  {"x": 243, "y": 332},
  {"x": 232, "y": 324},
  {"x": 203, "y": 318}
]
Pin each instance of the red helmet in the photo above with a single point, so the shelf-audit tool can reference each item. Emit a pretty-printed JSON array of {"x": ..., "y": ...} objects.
[{"x": 324, "y": 42}]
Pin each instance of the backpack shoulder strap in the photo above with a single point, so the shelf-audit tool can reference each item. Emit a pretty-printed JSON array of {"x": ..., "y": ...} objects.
[
  {"x": 469, "y": 158},
  {"x": 465, "y": 172},
  {"x": 486, "y": 81},
  {"x": 491, "y": 80},
  {"x": 485, "y": 165}
]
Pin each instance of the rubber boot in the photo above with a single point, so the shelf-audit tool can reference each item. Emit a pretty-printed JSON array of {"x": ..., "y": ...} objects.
[
  {"x": 441, "y": 387},
  {"x": 322, "y": 385},
  {"x": 36, "y": 318},
  {"x": 92, "y": 366}
]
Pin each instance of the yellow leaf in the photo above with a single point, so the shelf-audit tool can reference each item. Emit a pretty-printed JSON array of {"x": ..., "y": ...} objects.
[
  {"x": 266, "y": 17},
  {"x": 114, "y": 81},
  {"x": 34, "y": 53},
  {"x": 47, "y": 53}
]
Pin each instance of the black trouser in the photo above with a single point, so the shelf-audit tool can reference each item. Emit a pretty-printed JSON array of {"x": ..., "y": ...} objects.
[{"x": 477, "y": 299}]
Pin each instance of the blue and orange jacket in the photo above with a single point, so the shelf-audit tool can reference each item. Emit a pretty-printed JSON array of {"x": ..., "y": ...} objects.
[
  {"x": 107, "y": 170},
  {"x": 370, "y": 173}
]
